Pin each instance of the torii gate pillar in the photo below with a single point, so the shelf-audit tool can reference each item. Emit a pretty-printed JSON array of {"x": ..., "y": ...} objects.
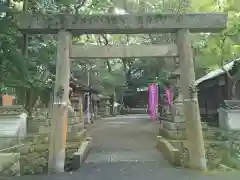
[
  {"x": 191, "y": 106},
  {"x": 60, "y": 105}
]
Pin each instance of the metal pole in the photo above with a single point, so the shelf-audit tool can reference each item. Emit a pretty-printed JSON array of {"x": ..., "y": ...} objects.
[{"x": 88, "y": 96}]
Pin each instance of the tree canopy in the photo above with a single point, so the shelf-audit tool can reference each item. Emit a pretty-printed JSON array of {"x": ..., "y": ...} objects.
[{"x": 26, "y": 75}]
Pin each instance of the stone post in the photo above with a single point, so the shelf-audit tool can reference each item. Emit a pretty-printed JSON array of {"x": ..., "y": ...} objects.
[
  {"x": 178, "y": 106},
  {"x": 75, "y": 101},
  {"x": 81, "y": 114},
  {"x": 96, "y": 109},
  {"x": 107, "y": 110}
]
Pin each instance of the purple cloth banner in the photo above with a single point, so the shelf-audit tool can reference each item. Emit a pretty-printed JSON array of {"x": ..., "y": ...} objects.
[{"x": 153, "y": 101}]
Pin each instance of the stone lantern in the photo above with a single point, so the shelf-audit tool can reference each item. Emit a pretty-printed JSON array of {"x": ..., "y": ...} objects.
[
  {"x": 177, "y": 110},
  {"x": 108, "y": 107}
]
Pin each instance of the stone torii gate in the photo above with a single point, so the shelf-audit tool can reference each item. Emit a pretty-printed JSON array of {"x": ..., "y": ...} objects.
[{"x": 66, "y": 25}]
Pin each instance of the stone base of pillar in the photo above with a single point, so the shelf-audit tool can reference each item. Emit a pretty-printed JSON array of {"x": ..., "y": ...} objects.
[
  {"x": 107, "y": 111},
  {"x": 178, "y": 112},
  {"x": 176, "y": 130},
  {"x": 173, "y": 125}
]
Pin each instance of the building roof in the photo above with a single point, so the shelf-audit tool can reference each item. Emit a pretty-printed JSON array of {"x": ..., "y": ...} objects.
[
  {"x": 142, "y": 89},
  {"x": 216, "y": 72},
  {"x": 102, "y": 96}
]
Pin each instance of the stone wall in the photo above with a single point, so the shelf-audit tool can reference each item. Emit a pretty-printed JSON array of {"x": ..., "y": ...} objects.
[
  {"x": 215, "y": 152},
  {"x": 9, "y": 164},
  {"x": 221, "y": 146},
  {"x": 33, "y": 149},
  {"x": 34, "y": 157},
  {"x": 233, "y": 153},
  {"x": 12, "y": 110},
  {"x": 12, "y": 125},
  {"x": 12, "y": 132},
  {"x": 175, "y": 130},
  {"x": 219, "y": 153},
  {"x": 34, "y": 152}
]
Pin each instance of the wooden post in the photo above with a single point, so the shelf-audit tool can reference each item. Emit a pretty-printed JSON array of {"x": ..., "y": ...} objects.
[
  {"x": 60, "y": 105},
  {"x": 191, "y": 107}
]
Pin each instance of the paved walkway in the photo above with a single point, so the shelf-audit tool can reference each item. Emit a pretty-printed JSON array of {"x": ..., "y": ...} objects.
[
  {"x": 124, "y": 148},
  {"x": 125, "y": 139}
]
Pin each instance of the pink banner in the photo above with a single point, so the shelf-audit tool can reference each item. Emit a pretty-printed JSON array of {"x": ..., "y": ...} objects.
[
  {"x": 153, "y": 101},
  {"x": 168, "y": 96}
]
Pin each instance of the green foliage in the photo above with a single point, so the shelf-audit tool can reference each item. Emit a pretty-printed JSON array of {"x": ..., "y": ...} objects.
[
  {"x": 214, "y": 50},
  {"x": 36, "y": 73}
]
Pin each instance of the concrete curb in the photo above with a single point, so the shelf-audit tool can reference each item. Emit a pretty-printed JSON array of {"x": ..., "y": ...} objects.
[
  {"x": 169, "y": 152},
  {"x": 80, "y": 156}
]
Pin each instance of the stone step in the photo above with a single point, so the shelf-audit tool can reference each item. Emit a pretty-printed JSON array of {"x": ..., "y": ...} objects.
[{"x": 137, "y": 111}]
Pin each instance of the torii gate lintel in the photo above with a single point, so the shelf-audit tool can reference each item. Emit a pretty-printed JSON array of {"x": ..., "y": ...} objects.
[{"x": 122, "y": 24}]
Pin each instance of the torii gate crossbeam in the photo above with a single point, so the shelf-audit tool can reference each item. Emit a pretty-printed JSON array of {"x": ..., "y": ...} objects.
[{"x": 132, "y": 51}]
